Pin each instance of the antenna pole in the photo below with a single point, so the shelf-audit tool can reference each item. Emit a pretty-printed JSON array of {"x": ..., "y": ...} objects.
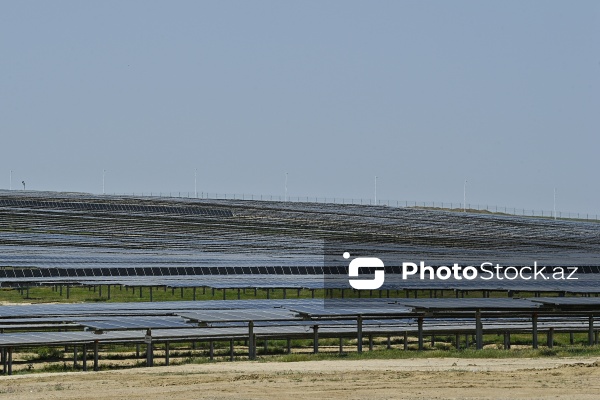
[
  {"x": 465, "y": 197},
  {"x": 555, "y": 204},
  {"x": 286, "y": 179}
]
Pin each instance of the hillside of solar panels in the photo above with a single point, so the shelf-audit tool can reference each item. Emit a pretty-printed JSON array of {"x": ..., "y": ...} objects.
[{"x": 69, "y": 240}]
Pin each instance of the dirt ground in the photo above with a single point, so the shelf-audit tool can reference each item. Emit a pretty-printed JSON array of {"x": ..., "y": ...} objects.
[{"x": 540, "y": 378}]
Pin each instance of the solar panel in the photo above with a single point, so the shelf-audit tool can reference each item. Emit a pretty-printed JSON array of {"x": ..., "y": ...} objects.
[
  {"x": 130, "y": 323},
  {"x": 569, "y": 301},
  {"x": 469, "y": 304},
  {"x": 241, "y": 315}
]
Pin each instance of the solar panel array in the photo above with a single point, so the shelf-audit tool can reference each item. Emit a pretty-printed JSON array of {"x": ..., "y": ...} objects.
[
  {"x": 115, "y": 322},
  {"x": 60, "y": 238},
  {"x": 119, "y": 207},
  {"x": 163, "y": 271},
  {"x": 585, "y": 284}
]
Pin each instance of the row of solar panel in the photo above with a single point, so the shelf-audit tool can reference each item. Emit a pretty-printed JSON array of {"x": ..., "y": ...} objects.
[
  {"x": 193, "y": 271},
  {"x": 85, "y": 206},
  {"x": 162, "y": 271}
]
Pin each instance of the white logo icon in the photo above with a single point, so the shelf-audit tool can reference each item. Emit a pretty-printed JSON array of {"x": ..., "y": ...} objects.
[{"x": 365, "y": 262}]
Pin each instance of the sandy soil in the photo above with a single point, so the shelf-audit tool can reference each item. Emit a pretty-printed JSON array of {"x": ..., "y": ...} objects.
[{"x": 540, "y": 378}]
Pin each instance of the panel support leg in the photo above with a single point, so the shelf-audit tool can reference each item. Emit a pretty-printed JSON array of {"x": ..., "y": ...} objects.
[
  {"x": 478, "y": 331},
  {"x": 420, "y": 326},
  {"x": 591, "y": 330},
  {"x": 359, "y": 334},
  {"x": 9, "y": 360},
  {"x": 84, "y": 357},
  {"x": 167, "y": 358},
  {"x": 316, "y": 339},
  {"x": 3, "y": 360},
  {"x": 507, "y": 340},
  {"x": 534, "y": 330},
  {"x": 251, "y": 344},
  {"x": 149, "y": 354},
  {"x": 95, "y": 355}
]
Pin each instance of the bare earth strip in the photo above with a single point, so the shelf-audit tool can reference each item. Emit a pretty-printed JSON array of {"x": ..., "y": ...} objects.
[{"x": 539, "y": 378}]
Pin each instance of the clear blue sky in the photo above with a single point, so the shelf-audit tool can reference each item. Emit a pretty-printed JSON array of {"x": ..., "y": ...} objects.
[{"x": 423, "y": 94}]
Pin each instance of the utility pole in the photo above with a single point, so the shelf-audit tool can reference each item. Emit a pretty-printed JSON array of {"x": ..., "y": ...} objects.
[
  {"x": 10, "y": 181},
  {"x": 286, "y": 179},
  {"x": 375, "y": 189},
  {"x": 103, "y": 174},
  {"x": 555, "y": 204},
  {"x": 465, "y": 197},
  {"x": 196, "y": 182}
]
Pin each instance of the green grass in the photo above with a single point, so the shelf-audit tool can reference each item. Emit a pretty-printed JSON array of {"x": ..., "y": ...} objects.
[
  {"x": 56, "y": 360},
  {"x": 79, "y": 294}
]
